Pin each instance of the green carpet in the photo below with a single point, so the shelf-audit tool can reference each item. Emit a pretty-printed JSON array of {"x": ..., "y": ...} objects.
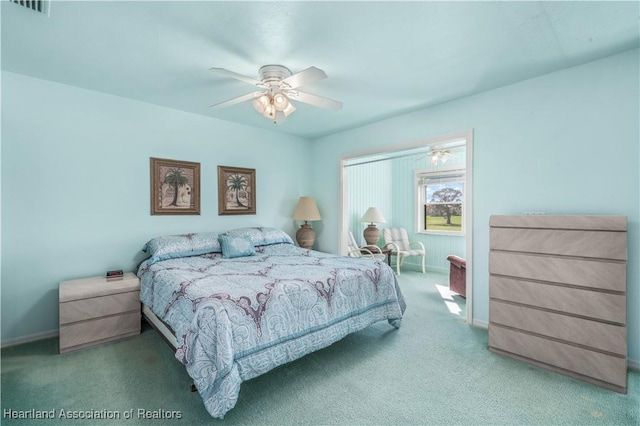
[{"x": 434, "y": 370}]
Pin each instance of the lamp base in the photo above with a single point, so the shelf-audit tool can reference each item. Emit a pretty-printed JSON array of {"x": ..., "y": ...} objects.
[
  {"x": 306, "y": 236},
  {"x": 371, "y": 235}
]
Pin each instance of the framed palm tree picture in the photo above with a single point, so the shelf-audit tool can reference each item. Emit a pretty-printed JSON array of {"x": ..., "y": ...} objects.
[
  {"x": 236, "y": 190},
  {"x": 175, "y": 187}
]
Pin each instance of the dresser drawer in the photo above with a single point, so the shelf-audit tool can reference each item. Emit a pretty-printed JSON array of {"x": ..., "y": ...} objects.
[
  {"x": 578, "y": 243},
  {"x": 85, "y": 333},
  {"x": 595, "y": 334},
  {"x": 576, "y": 301},
  {"x": 606, "y": 368},
  {"x": 598, "y": 274},
  {"x": 84, "y": 309}
]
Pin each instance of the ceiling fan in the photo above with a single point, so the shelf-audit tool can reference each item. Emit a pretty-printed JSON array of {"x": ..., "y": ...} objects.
[
  {"x": 436, "y": 154},
  {"x": 277, "y": 88}
]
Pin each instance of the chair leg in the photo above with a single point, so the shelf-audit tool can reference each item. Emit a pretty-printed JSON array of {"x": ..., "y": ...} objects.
[
  {"x": 398, "y": 263},
  {"x": 423, "y": 270}
]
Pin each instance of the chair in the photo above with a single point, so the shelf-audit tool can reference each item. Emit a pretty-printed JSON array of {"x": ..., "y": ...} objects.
[
  {"x": 397, "y": 240},
  {"x": 354, "y": 250},
  {"x": 458, "y": 275}
]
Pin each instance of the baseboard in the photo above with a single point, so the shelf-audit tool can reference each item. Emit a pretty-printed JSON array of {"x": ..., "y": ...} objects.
[
  {"x": 30, "y": 338},
  {"x": 406, "y": 266},
  {"x": 434, "y": 269},
  {"x": 480, "y": 323}
]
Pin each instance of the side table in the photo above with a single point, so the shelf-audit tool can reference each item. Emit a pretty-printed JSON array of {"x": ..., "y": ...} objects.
[{"x": 96, "y": 310}]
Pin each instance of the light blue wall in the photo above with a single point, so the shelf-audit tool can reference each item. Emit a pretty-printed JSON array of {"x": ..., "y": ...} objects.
[
  {"x": 564, "y": 143},
  {"x": 368, "y": 185},
  {"x": 75, "y": 186}
]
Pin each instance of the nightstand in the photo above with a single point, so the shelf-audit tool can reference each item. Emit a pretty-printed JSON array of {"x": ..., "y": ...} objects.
[{"x": 96, "y": 310}]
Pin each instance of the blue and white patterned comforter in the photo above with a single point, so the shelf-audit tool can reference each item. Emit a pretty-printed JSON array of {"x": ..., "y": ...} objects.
[{"x": 238, "y": 318}]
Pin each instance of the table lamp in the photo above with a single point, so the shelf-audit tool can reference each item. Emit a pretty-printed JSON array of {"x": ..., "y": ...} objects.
[
  {"x": 306, "y": 210},
  {"x": 371, "y": 233}
]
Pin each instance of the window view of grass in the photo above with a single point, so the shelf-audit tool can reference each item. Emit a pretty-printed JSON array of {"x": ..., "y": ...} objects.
[
  {"x": 443, "y": 207},
  {"x": 439, "y": 223}
]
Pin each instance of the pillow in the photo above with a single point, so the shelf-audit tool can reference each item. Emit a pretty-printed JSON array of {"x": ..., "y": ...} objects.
[
  {"x": 236, "y": 246},
  {"x": 172, "y": 246},
  {"x": 262, "y": 236}
]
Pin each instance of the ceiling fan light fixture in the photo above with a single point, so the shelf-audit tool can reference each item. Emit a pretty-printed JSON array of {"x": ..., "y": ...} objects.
[
  {"x": 441, "y": 156},
  {"x": 279, "y": 118},
  {"x": 274, "y": 107},
  {"x": 261, "y": 103},
  {"x": 269, "y": 112},
  {"x": 289, "y": 109},
  {"x": 280, "y": 101}
]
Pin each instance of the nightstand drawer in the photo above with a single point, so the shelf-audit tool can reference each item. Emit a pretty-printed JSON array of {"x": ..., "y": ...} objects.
[
  {"x": 87, "y": 333},
  {"x": 84, "y": 309}
]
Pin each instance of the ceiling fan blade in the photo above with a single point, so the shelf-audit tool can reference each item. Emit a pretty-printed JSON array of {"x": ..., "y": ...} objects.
[
  {"x": 315, "y": 100},
  {"x": 227, "y": 73},
  {"x": 237, "y": 100},
  {"x": 307, "y": 76}
]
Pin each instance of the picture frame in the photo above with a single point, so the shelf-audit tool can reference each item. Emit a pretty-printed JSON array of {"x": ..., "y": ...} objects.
[
  {"x": 236, "y": 190},
  {"x": 175, "y": 187}
]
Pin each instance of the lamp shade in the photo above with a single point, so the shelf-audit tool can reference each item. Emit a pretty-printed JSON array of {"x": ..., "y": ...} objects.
[
  {"x": 306, "y": 210},
  {"x": 261, "y": 103},
  {"x": 373, "y": 215},
  {"x": 280, "y": 101}
]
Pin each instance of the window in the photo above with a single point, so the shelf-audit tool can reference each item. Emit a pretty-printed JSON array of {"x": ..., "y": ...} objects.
[{"x": 441, "y": 201}]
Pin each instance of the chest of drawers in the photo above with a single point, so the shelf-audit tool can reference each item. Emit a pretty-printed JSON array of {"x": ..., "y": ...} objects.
[{"x": 557, "y": 294}]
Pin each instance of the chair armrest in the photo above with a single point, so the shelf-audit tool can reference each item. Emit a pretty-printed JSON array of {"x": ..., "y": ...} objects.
[
  {"x": 418, "y": 243},
  {"x": 365, "y": 252},
  {"x": 457, "y": 261},
  {"x": 354, "y": 253}
]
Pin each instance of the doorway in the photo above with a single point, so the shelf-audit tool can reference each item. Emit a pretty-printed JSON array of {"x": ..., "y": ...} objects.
[{"x": 392, "y": 179}]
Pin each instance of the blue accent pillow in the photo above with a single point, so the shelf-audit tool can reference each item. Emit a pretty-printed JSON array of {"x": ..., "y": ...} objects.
[
  {"x": 236, "y": 246},
  {"x": 262, "y": 236},
  {"x": 172, "y": 246}
]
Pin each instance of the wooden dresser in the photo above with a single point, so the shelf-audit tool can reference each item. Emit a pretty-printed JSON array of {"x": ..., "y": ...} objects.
[
  {"x": 557, "y": 294},
  {"x": 96, "y": 310}
]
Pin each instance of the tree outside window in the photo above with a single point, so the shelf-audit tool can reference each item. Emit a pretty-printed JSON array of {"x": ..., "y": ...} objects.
[{"x": 443, "y": 210}]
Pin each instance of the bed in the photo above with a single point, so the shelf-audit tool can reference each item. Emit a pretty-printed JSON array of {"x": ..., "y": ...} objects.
[{"x": 238, "y": 304}]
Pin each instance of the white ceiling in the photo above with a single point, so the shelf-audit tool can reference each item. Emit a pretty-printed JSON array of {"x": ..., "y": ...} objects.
[{"x": 382, "y": 58}]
